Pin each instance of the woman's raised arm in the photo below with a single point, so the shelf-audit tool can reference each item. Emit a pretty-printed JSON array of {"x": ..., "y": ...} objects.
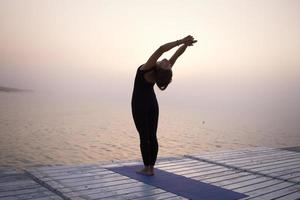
[
  {"x": 151, "y": 62},
  {"x": 180, "y": 51}
]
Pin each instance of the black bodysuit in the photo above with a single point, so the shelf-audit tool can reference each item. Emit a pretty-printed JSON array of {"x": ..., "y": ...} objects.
[{"x": 145, "y": 114}]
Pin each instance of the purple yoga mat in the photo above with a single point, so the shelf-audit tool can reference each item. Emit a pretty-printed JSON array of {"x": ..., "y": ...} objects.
[{"x": 179, "y": 185}]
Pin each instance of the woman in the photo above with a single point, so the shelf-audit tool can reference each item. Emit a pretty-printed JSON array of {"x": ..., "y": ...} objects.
[{"x": 144, "y": 104}]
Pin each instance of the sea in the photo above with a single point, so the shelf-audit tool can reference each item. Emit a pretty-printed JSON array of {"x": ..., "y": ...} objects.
[{"x": 38, "y": 130}]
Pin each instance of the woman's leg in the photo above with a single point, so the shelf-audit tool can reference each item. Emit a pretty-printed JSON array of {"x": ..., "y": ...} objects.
[
  {"x": 153, "y": 122},
  {"x": 141, "y": 123}
]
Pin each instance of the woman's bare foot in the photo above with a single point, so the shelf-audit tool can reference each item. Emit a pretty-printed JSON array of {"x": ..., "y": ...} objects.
[
  {"x": 151, "y": 169},
  {"x": 145, "y": 171}
]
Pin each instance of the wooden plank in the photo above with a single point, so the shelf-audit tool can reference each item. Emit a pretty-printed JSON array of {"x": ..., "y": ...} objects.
[
  {"x": 275, "y": 168},
  {"x": 273, "y": 171},
  {"x": 93, "y": 180},
  {"x": 237, "y": 155},
  {"x": 144, "y": 194},
  {"x": 277, "y": 193},
  {"x": 106, "y": 198},
  {"x": 261, "y": 186},
  {"x": 160, "y": 195},
  {"x": 236, "y": 180},
  {"x": 109, "y": 188},
  {"x": 9, "y": 198},
  {"x": 262, "y": 154},
  {"x": 203, "y": 172},
  {"x": 104, "y": 186},
  {"x": 68, "y": 173},
  {"x": 169, "y": 158},
  {"x": 184, "y": 166},
  {"x": 49, "y": 198},
  {"x": 192, "y": 168},
  {"x": 259, "y": 160},
  {"x": 164, "y": 195},
  {"x": 48, "y": 177},
  {"x": 72, "y": 172},
  {"x": 240, "y": 157},
  {"x": 237, "y": 151},
  {"x": 211, "y": 178},
  {"x": 8, "y": 172},
  {"x": 12, "y": 178},
  {"x": 83, "y": 174},
  {"x": 190, "y": 162},
  {"x": 176, "y": 198},
  {"x": 37, "y": 196},
  {"x": 130, "y": 192},
  {"x": 234, "y": 186},
  {"x": 59, "y": 168},
  {"x": 251, "y": 161},
  {"x": 294, "y": 160},
  {"x": 23, "y": 191},
  {"x": 265, "y": 190},
  {"x": 178, "y": 164},
  {"x": 120, "y": 164},
  {"x": 175, "y": 164},
  {"x": 294, "y": 179},
  {"x": 292, "y": 196},
  {"x": 282, "y": 172},
  {"x": 80, "y": 181},
  {"x": 22, "y": 186},
  {"x": 98, "y": 194},
  {"x": 117, "y": 186},
  {"x": 287, "y": 173},
  {"x": 15, "y": 183},
  {"x": 244, "y": 156}
]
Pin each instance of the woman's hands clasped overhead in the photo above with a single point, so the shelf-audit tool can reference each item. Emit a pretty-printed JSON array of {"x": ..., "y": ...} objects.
[{"x": 189, "y": 40}]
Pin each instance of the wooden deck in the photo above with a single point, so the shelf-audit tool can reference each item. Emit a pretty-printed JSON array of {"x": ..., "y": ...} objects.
[{"x": 261, "y": 173}]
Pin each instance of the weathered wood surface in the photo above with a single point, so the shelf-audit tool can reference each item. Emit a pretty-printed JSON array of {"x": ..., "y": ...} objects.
[
  {"x": 17, "y": 185},
  {"x": 260, "y": 173},
  {"x": 263, "y": 173}
]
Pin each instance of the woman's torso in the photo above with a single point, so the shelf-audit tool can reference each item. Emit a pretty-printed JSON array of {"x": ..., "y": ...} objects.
[{"x": 143, "y": 92}]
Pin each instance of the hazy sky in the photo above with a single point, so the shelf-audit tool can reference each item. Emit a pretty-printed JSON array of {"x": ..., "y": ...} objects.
[{"x": 247, "y": 49}]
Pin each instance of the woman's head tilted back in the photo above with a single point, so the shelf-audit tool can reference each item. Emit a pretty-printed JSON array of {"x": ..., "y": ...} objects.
[{"x": 163, "y": 74}]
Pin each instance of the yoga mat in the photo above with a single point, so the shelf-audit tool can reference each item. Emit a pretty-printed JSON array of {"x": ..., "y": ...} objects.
[{"x": 179, "y": 185}]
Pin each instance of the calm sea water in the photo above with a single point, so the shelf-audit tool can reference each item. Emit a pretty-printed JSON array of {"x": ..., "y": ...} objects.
[{"x": 49, "y": 131}]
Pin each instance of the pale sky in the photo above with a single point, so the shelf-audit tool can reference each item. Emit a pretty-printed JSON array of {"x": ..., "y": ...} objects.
[{"x": 246, "y": 50}]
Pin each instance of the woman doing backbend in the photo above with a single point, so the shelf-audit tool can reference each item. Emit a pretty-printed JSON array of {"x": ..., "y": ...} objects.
[{"x": 144, "y": 104}]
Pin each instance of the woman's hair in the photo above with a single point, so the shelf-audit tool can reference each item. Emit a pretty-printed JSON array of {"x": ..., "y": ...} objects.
[{"x": 163, "y": 77}]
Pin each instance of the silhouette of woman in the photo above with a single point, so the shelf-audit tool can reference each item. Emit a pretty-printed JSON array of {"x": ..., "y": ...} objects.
[{"x": 144, "y": 103}]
